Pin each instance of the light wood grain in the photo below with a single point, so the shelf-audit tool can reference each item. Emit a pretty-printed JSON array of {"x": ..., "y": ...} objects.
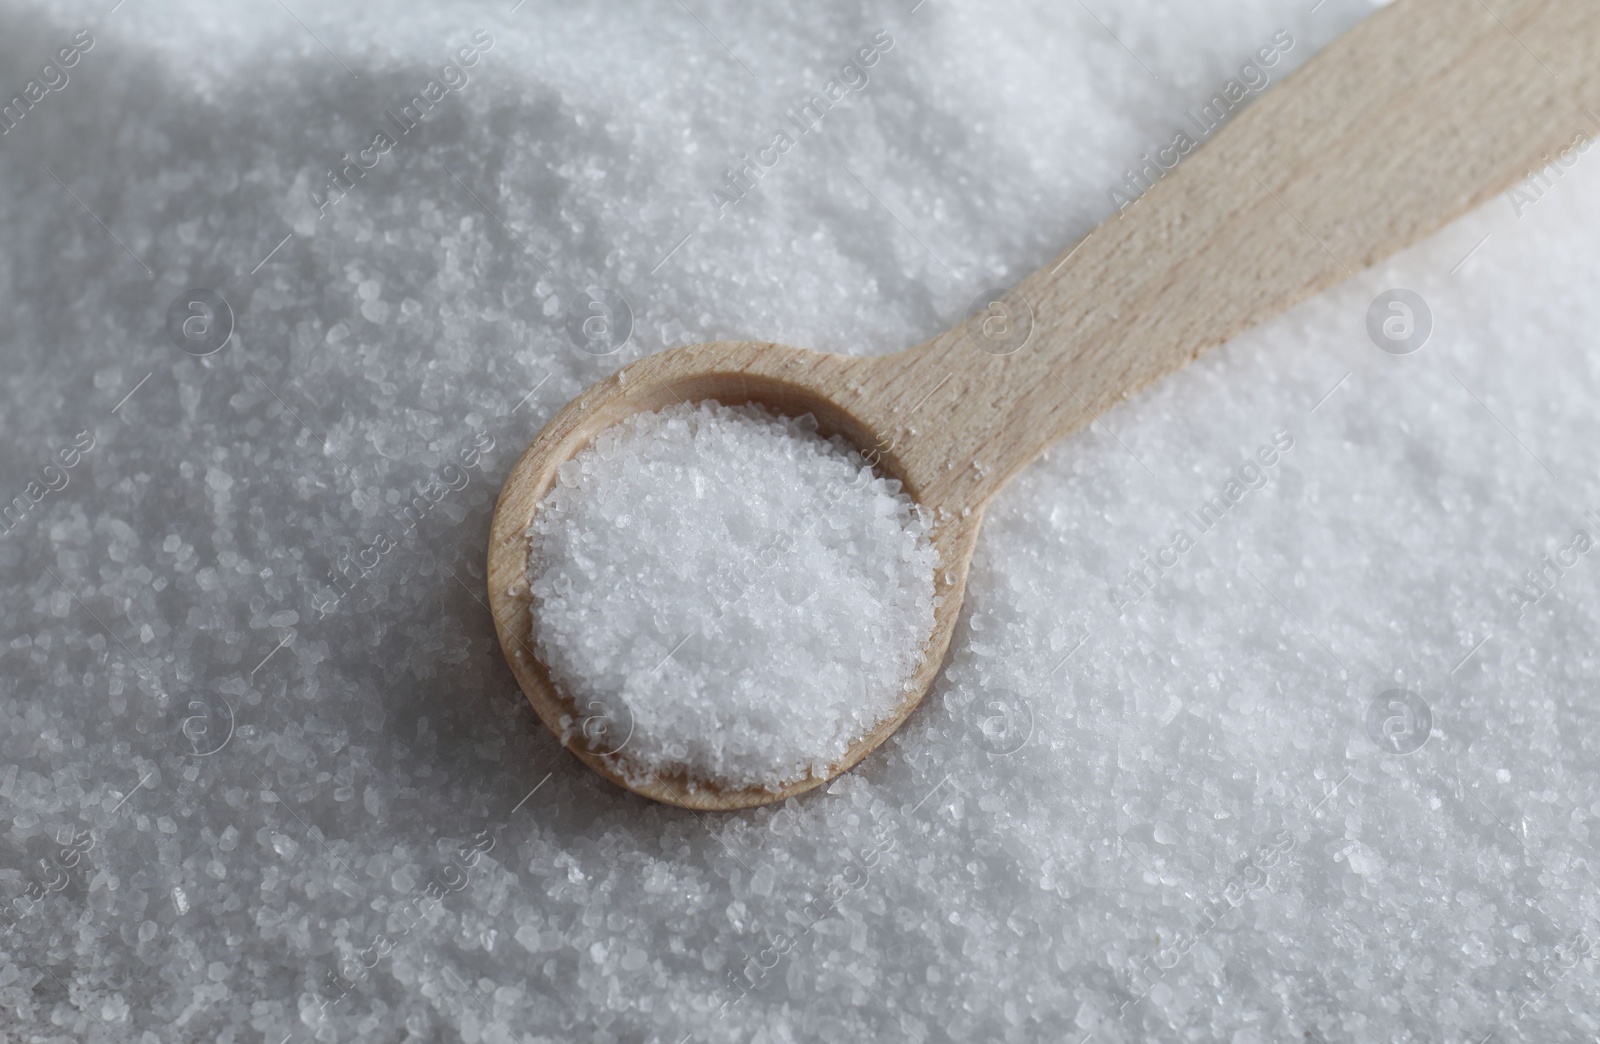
[{"x": 1424, "y": 110}]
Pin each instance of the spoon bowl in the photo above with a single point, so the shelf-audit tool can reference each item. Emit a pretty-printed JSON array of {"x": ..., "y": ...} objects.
[
  {"x": 1424, "y": 110},
  {"x": 791, "y": 381}
]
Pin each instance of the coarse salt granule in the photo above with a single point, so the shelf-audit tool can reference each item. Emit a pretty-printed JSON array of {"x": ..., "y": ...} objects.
[{"x": 737, "y": 597}]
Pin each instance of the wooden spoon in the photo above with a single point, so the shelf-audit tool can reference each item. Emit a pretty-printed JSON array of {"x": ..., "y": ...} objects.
[{"x": 1424, "y": 110}]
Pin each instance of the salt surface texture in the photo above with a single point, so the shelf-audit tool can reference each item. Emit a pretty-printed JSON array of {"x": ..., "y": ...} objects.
[
  {"x": 1167, "y": 821},
  {"x": 728, "y": 594}
]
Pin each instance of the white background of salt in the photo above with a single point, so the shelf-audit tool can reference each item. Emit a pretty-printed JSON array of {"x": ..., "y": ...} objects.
[{"x": 1009, "y": 896}]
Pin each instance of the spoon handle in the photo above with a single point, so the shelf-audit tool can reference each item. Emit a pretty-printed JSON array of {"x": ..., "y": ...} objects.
[{"x": 1426, "y": 109}]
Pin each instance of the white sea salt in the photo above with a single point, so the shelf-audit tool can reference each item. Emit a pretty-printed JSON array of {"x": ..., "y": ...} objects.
[
  {"x": 1043, "y": 852},
  {"x": 740, "y": 598}
]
